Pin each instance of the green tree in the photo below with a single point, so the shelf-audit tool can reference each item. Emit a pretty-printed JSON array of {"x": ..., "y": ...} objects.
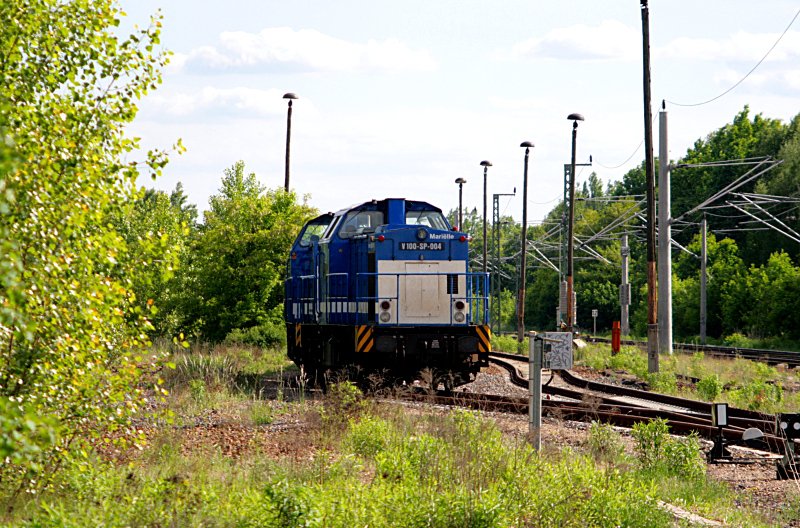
[
  {"x": 158, "y": 228},
  {"x": 71, "y": 335},
  {"x": 238, "y": 261}
]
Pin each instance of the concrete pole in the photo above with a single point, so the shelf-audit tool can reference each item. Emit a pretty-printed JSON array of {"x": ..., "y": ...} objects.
[
  {"x": 535, "y": 357},
  {"x": 625, "y": 288},
  {"x": 664, "y": 240},
  {"x": 703, "y": 278}
]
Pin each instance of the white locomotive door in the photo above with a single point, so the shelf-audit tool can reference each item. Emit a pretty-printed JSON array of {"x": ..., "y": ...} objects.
[{"x": 421, "y": 292}]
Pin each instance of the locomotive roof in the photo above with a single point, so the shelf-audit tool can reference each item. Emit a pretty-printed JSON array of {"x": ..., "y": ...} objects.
[{"x": 374, "y": 205}]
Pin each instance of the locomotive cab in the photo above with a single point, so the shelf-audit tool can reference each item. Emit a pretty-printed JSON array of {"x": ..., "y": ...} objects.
[{"x": 385, "y": 285}]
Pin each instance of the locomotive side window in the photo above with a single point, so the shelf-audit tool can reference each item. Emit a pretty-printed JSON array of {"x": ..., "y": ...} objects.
[
  {"x": 315, "y": 228},
  {"x": 358, "y": 222},
  {"x": 433, "y": 219}
]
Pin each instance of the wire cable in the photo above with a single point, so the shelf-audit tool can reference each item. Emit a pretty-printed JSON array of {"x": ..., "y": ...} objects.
[{"x": 747, "y": 74}]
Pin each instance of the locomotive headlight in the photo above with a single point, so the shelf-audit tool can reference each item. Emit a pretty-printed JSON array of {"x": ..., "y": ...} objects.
[
  {"x": 385, "y": 317},
  {"x": 459, "y": 317},
  {"x": 459, "y": 305},
  {"x": 385, "y": 305},
  {"x": 422, "y": 234}
]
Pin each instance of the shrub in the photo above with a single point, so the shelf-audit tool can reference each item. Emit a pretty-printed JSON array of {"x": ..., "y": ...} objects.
[
  {"x": 710, "y": 387},
  {"x": 267, "y": 335},
  {"x": 509, "y": 344},
  {"x": 604, "y": 442},
  {"x": 658, "y": 452},
  {"x": 737, "y": 340},
  {"x": 664, "y": 382}
]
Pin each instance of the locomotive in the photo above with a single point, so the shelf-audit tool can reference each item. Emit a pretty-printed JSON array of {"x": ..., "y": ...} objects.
[{"x": 385, "y": 287}]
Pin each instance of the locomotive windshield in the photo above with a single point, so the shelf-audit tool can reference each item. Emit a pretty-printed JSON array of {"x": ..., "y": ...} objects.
[
  {"x": 315, "y": 228},
  {"x": 358, "y": 222},
  {"x": 433, "y": 219}
]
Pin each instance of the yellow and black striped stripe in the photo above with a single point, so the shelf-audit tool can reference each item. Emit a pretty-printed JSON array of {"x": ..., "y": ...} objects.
[
  {"x": 365, "y": 341},
  {"x": 484, "y": 338},
  {"x": 298, "y": 335}
]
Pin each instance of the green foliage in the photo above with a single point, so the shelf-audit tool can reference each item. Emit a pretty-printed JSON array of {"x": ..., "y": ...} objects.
[
  {"x": 710, "y": 387},
  {"x": 758, "y": 395},
  {"x": 605, "y": 444},
  {"x": 509, "y": 344},
  {"x": 268, "y": 335},
  {"x": 157, "y": 228},
  {"x": 72, "y": 334},
  {"x": 660, "y": 453},
  {"x": 234, "y": 276}
]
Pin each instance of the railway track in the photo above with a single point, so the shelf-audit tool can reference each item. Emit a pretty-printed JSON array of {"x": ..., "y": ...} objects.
[
  {"x": 585, "y": 400},
  {"x": 771, "y": 357}
]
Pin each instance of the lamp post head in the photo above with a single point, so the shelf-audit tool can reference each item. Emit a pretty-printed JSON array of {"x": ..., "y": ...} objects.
[
  {"x": 486, "y": 163},
  {"x": 290, "y": 96},
  {"x": 526, "y": 144},
  {"x": 575, "y": 117},
  {"x": 461, "y": 181}
]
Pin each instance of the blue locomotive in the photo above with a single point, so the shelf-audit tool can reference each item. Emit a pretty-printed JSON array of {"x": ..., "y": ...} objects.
[{"x": 385, "y": 287}]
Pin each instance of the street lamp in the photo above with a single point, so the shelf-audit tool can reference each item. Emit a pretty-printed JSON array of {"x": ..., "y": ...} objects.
[
  {"x": 290, "y": 97},
  {"x": 523, "y": 248},
  {"x": 571, "y": 224},
  {"x": 460, "y": 182},
  {"x": 485, "y": 164}
]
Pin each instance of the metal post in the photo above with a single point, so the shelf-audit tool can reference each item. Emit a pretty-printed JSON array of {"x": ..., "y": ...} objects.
[
  {"x": 571, "y": 226},
  {"x": 290, "y": 97},
  {"x": 523, "y": 248},
  {"x": 664, "y": 239},
  {"x": 460, "y": 182},
  {"x": 703, "y": 278},
  {"x": 486, "y": 165},
  {"x": 535, "y": 356},
  {"x": 652, "y": 294},
  {"x": 625, "y": 288}
]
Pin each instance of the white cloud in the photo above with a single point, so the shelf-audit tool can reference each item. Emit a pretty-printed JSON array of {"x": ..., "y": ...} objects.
[
  {"x": 208, "y": 101},
  {"x": 741, "y": 46},
  {"x": 611, "y": 40},
  {"x": 307, "y": 50}
]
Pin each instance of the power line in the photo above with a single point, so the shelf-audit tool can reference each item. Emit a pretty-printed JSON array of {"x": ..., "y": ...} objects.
[{"x": 747, "y": 74}]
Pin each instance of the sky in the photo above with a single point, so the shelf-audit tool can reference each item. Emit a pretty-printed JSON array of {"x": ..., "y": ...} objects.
[{"x": 398, "y": 99}]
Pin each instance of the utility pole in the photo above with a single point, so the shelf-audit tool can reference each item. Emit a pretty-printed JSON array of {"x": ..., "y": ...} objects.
[
  {"x": 664, "y": 238},
  {"x": 624, "y": 288},
  {"x": 498, "y": 226},
  {"x": 703, "y": 277},
  {"x": 652, "y": 294},
  {"x": 523, "y": 248}
]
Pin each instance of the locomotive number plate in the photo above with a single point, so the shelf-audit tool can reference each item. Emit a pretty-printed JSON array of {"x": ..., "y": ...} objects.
[{"x": 422, "y": 246}]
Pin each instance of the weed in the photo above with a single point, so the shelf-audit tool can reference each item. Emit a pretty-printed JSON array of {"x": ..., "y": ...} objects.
[
  {"x": 658, "y": 452},
  {"x": 710, "y": 387},
  {"x": 605, "y": 444}
]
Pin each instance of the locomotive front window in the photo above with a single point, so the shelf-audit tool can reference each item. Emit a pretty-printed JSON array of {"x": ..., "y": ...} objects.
[
  {"x": 359, "y": 222},
  {"x": 315, "y": 228},
  {"x": 432, "y": 219}
]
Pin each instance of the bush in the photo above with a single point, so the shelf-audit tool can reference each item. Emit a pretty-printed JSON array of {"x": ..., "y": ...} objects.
[
  {"x": 737, "y": 340},
  {"x": 710, "y": 387},
  {"x": 267, "y": 335},
  {"x": 660, "y": 453},
  {"x": 604, "y": 442},
  {"x": 509, "y": 344}
]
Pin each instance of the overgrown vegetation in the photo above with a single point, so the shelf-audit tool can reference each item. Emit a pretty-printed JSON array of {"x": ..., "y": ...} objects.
[
  {"x": 740, "y": 382},
  {"x": 357, "y": 462}
]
